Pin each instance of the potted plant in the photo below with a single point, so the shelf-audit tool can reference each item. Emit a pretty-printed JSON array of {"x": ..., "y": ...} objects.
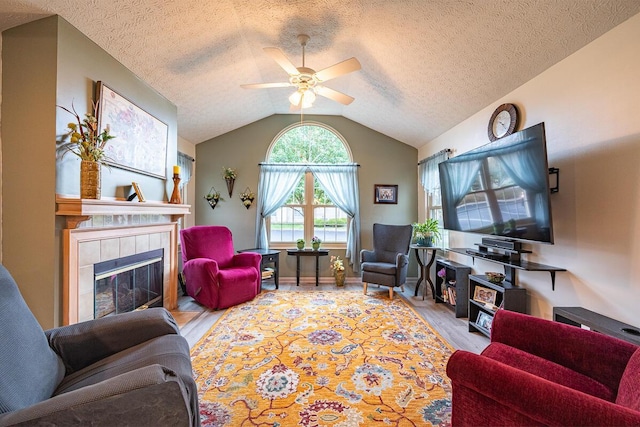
[
  {"x": 300, "y": 244},
  {"x": 425, "y": 233},
  {"x": 213, "y": 197}
]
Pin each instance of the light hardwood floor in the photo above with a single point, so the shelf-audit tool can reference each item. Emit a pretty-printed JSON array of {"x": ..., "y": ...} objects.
[{"x": 196, "y": 320}]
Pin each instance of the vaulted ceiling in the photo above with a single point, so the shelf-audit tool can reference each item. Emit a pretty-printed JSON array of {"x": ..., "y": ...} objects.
[{"x": 426, "y": 64}]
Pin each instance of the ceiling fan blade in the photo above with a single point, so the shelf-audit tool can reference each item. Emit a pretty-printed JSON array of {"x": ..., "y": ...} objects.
[
  {"x": 334, "y": 94},
  {"x": 282, "y": 60},
  {"x": 265, "y": 85},
  {"x": 344, "y": 67}
]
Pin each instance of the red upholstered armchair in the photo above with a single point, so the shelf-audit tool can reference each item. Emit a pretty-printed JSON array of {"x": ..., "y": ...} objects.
[
  {"x": 537, "y": 372},
  {"x": 215, "y": 276}
]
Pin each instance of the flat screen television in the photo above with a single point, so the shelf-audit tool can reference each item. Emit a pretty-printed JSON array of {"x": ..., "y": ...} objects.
[{"x": 500, "y": 189}]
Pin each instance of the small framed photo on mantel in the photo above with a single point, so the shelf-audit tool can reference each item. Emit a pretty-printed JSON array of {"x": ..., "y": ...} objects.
[
  {"x": 385, "y": 194},
  {"x": 138, "y": 192}
]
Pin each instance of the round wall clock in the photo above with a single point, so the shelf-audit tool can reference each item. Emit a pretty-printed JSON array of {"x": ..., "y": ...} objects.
[{"x": 503, "y": 121}]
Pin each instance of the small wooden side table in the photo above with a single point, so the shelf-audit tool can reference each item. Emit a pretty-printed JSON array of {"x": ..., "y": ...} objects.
[
  {"x": 307, "y": 252},
  {"x": 425, "y": 262},
  {"x": 269, "y": 257}
]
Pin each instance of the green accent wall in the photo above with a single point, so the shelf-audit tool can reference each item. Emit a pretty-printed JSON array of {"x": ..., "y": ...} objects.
[
  {"x": 383, "y": 160},
  {"x": 47, "y": 63}
]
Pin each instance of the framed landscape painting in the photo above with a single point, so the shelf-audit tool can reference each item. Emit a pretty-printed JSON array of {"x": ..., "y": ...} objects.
[{"x": 140, "y": 142}]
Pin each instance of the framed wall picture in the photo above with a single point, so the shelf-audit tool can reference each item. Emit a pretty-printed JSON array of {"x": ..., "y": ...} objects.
[
  {"x": 140, "y": 142},
  {"x": 384, "y": 193},
  {"x": 485, "y": 295}
]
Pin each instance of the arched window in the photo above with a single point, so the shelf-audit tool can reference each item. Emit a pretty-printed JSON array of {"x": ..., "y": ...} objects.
[{"x": 308, "y": 211}]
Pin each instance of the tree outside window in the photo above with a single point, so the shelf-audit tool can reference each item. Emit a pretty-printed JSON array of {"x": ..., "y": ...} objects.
[{"x": 308, "y": 212}]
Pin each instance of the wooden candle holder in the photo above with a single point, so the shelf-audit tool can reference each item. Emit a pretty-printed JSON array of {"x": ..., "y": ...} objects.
[{"x": 175, "y": 196}]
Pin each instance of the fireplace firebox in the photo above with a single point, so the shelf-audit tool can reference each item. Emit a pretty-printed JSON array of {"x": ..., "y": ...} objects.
[{"x": 129, "y": 283}]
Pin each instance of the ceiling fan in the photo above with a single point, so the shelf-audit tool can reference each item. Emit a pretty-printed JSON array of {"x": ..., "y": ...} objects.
[{"x": 307, "y": 81}]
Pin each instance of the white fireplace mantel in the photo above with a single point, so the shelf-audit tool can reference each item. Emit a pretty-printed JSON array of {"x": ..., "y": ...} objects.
[
  {"x": 114, "y": 228},
  {"x": 78, "y": 210}
]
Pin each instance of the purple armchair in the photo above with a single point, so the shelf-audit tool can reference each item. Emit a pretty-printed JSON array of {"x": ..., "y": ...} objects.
[
  {"x": 537, "y": 372},
  {"x": 215, "y": 276}
]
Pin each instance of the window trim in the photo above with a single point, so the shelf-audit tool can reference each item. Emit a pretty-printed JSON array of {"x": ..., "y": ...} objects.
[
  {"x": 309, "y": 123},
  {"x": 308, "y": 188}
]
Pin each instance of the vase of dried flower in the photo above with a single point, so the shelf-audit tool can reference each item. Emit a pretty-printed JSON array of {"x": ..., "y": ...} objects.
[
  {"x": 339, "y": 276},
  {"x": 89, "y": 179}
]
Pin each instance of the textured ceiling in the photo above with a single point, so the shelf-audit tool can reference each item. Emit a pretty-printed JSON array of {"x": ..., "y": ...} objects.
[{"x": 426, "y": 64}]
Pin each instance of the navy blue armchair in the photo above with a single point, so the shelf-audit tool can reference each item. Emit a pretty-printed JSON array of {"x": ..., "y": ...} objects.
[{"x": 388, "y": 262}]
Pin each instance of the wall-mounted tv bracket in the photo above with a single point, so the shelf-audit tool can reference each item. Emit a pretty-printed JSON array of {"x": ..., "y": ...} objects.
[{"x": 556, "y": 172}]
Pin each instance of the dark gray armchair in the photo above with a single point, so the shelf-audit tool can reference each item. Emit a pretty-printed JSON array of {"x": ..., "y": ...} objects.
[
  {"x": 388, "y": 262},
  {"x": 129, "y": 369}
]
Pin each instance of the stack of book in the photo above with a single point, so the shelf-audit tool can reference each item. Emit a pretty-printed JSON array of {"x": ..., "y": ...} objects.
[
  {"x": 267, "y": 273},
  {"x": 451, "y": 291}
]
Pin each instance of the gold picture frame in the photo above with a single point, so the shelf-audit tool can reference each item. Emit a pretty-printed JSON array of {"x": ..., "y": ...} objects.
[
  {"x": 485, "y": 295},
  {"x": 138, "y": 191}
]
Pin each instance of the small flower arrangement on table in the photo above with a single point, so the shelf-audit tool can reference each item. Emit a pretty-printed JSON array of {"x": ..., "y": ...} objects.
[
  {"x": 315, "y": 242},
  {"x": 247, "y": 197},
  {"x": 300, "y": 244}
]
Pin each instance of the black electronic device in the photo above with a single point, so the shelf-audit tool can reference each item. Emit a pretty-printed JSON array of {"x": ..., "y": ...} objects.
[
  {"x": 501, "y": 244},
  {"x": 500, "y": 189},
  {"x": 496, "y": 256}
]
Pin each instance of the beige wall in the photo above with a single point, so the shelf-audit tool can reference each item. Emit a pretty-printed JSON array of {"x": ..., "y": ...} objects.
[
  {"x": 28, "y": 164},
  {"x": 45, "y": 63},
  {"x": 590, "y": 103},
  {"x": 383, "y": 160}
]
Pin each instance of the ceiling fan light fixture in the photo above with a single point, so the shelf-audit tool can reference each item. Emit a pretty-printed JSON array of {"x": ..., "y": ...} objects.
[
  {"x": 295, "y": 97},
  {"x": 306, "y": 80},
  {"x": 304, "y": 98},
  {"x": 308, "y": 98}
]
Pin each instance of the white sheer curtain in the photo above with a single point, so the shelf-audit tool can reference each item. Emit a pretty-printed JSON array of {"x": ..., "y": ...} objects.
[
  {"x": 429, "y": 173},
  {"x": 186, "y": 168},
  {"x": 275, "y": 185},
  {"x": 458, "y": 175},
  {"x": 524, "y": 168},
  {"x": 340, "y": 182}
]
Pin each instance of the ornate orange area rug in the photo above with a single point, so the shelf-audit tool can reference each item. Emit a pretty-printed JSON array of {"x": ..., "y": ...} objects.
[{"x": 308, "y": 358}]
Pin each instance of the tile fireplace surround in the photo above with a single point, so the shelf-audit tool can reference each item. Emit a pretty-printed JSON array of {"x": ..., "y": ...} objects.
[{"x": 102, "y": 230}]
